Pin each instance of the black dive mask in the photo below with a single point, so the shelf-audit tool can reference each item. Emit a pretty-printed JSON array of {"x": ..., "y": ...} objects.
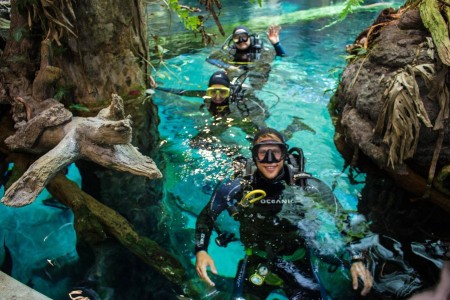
[
  {"x": 269, "y": 152},
  {"x": 240, "y": 38}
]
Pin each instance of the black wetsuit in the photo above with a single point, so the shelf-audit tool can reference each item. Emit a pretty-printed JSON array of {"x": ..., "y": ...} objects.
[
  {"x": 230, "y": 55},
  {"x": 243, "y": 110},
  {"x": 255, "y": 60},
  {"x": 269, "y": 238}
]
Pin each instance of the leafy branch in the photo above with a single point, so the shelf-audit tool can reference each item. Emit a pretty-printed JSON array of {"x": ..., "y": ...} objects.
[
  {"x": 191, "y": 23},
  {"x": 349, "y": 7}
]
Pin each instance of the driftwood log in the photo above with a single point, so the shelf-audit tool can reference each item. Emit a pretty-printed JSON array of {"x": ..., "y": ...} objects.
[
  {"x": 105, "y": 140},
  {"x": 71, "y": 57}
]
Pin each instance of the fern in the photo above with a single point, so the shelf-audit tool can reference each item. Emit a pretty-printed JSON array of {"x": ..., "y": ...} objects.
[
  {"x": 259, "y": 2},
  {"x": 349, "y": 6},
  {"x": 79, "y": 107}
]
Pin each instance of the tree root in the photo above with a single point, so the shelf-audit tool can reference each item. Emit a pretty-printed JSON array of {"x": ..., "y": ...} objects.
[{"x": 94, "y": 222}]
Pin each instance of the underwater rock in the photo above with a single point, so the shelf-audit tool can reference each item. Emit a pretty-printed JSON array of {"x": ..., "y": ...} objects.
[{"x": 391, "y": 105}]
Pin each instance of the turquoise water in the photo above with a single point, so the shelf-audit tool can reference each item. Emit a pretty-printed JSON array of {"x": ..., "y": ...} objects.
[
  {"x": 297, "y": 87},
  {"x": 40, "y": 235},
  {"x": 41, "y": 239}
]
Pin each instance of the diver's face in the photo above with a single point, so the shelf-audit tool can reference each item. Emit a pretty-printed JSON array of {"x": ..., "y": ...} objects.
[
  {"x": 272, "y": 169},
  {"x": 218, "y": 93},
  {"x": 241, "y": 40}
]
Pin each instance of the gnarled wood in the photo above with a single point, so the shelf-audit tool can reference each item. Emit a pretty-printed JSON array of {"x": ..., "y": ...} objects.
[
  {"x": 48, "y": 75},
  {"x": 104, "y": 139},
  {"x": 401, "y": 78},
  {"x": 109, "y": 222}
]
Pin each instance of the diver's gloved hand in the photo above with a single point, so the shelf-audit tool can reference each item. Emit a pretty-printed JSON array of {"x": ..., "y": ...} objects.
[
  {"x": 359, "y": 270},
  {"x": 232, "y": 69},
  {"x": 274, "y": 34},
  {"x": 203, "y": 261}
]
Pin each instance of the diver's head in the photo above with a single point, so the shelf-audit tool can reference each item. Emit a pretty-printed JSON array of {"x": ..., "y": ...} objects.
[
  {"x": 241, "y": 37},
  {"x": 218, "y": 88},
  {"x": 269, "y": 152}
]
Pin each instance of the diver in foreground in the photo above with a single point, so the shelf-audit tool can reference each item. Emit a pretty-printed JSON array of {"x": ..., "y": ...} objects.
[{"x": 277, "y": 256}]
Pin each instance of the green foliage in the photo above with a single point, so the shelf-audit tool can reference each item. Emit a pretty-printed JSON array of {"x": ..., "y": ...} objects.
[
  {"x": 4, "y": 24},
  {"x": 79, "y": 107},
  {"x": 259, "y": 2},
  {"x": 19, "y": 34},
  {"x": 60, "y": 93},
  {"x": 349, "y": 6},
  {"x": 190, "y": 22},
  {"x": 359, "y": 51},
  {"x": 337, "y": 74},
  {"x": 435, "y": 17}
]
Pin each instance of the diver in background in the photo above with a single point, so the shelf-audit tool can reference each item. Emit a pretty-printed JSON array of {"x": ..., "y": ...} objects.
[
  {"x": 235, "y": 101},
  {"x": 233, "y": 104},
  {"x": 245, "y": 51},
  {"x": 230, "y": 104}
]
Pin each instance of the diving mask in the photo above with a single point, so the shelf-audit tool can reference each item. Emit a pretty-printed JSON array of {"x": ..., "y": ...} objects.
[
  {"x": 269, "y": 151},
  {"x": 240, "y": 38},
  {"x": 214, "y": 92}
]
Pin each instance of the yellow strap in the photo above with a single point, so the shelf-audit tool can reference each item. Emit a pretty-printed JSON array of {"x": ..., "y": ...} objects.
[
  {"x": 231, "y": 62},
  {"x": 221, "y": 108},
  {"x": 252, "y": 197}
]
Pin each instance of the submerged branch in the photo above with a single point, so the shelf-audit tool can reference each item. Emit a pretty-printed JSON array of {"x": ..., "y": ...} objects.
[{"x": 105, "y": 221}]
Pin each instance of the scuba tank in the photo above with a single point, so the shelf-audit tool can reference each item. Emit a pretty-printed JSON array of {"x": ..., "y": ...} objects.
[
  {"x": 256, "y": 45},
  {"x": 236, "y": 85}
]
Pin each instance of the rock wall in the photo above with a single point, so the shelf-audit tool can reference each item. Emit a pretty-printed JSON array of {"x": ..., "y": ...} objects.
[{"x": 394, "y": 45}]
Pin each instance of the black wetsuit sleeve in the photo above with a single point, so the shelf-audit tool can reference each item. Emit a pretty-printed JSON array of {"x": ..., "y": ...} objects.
[
  {"x": 220, "y": 200},
  {"x": 279, "y": 49},
  {"x": 203, "y": 229}
]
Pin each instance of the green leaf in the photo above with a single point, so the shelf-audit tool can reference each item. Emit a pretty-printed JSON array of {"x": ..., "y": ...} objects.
[
  {"x": 18, "y": 34},
  {"x": 79, "y": 107}
]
